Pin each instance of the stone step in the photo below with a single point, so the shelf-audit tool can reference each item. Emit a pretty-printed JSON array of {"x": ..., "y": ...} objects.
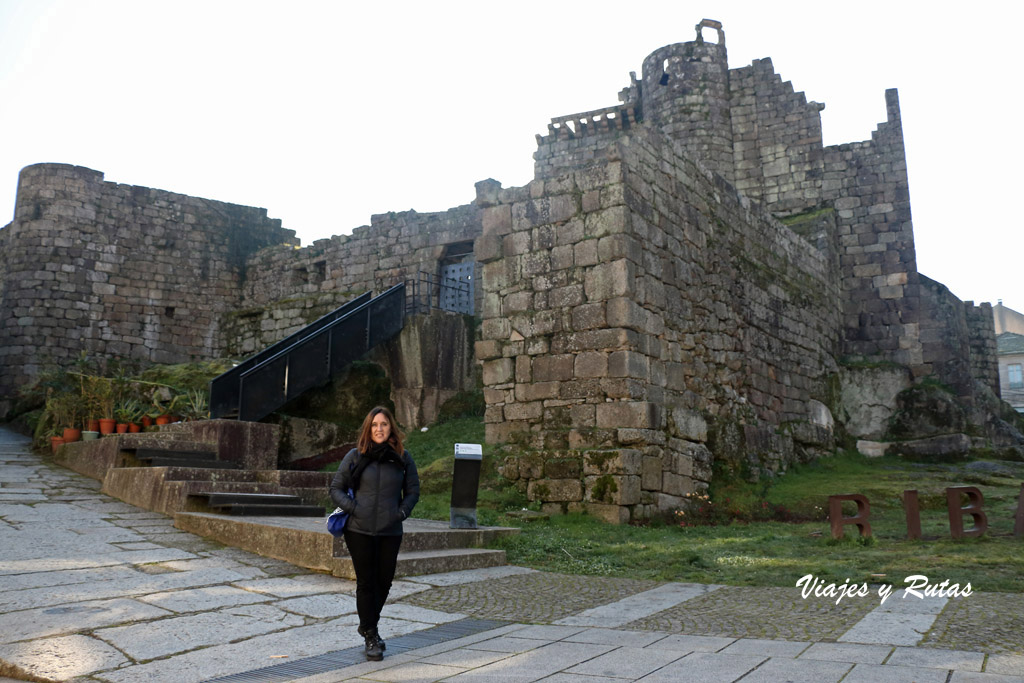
[
  {"x": 305, "y": 542},
  {"x": 170, "y": 489},
  {"x": 219, "y": 498},
  {"x": 255, "y": 504},
  {"x": 433, "y": 535},
  {"x": 270, "y": 509},
  {"x": 419, "y": 562},
  {"x": 201, "y": 463},
  {"x": 177, "y": 453},
  {"x": 169, "y": 441}
]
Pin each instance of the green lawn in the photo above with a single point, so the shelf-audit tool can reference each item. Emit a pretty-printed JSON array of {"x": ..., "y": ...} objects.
[{"x": 759, "y": 553}]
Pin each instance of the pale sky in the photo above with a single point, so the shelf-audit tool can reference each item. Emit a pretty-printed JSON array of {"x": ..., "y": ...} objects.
[{"x": 327, "y": 112}]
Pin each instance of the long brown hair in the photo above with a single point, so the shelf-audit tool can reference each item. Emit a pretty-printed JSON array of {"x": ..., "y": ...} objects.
[{"x": 395, "y": 439}]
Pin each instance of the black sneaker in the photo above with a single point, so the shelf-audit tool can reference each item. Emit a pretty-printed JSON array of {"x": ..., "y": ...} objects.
[
  {"x": 367, "y": 632},
  {"x": 374, "y": 653}
]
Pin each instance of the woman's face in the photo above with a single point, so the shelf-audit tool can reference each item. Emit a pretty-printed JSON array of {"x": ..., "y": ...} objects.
[{"x": 380, "y": 428}]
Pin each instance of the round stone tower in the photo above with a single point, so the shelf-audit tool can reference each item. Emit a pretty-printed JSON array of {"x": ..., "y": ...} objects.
[{"x": 685, "y": 93}]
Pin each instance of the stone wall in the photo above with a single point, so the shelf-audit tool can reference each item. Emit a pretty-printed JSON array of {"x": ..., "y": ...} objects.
[
  {"x": 626, "y": 302},
  {"x": 981, "y": 337},
  {"x": 777, "y": 145},
  {"x": 958, "y": 338},
  {"x": 286, "y": 288},
  {"x": 118, "y": 270}
]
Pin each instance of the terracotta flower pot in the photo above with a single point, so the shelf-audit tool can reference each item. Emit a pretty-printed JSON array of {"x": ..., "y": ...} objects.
[
  {"x": 122, "y": 427},
  {"x": 93, "y": 426},
  {"x": 107, "y": 425},
  {"x": 163, "y": 420},
  {"x": 56, "y": 442},
  {"x": 147, "y": 421},
  {"x": 71, "y": 434},
  {"x": 134, "y": 428}
]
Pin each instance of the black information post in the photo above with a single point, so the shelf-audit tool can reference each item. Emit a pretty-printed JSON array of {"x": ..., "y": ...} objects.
[{"x": 465, "y": 483}]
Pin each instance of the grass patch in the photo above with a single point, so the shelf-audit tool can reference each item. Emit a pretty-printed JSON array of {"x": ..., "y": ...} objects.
[
  {"x": 732, "y": 546},
  {"x": 773, "y": 553}
]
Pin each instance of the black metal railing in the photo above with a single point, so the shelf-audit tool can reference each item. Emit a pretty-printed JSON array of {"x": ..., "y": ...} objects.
[
  {"x": 224, "y": 389},
  {"x": 285, "y": 371},
  {"x": 428, "y": 291}
]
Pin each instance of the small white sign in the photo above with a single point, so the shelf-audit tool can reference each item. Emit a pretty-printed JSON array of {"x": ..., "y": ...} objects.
[{"x": 469, "y": 451}]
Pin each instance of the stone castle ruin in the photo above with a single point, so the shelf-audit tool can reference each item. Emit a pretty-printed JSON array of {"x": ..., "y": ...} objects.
[{"x": 692, "y": 281}]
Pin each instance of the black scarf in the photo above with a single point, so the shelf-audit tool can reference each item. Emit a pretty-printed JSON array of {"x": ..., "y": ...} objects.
[{"x": 383, "y": 452}]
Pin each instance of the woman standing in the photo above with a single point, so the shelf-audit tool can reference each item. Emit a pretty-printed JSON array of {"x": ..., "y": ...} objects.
[{"x": 383, "y": 478}]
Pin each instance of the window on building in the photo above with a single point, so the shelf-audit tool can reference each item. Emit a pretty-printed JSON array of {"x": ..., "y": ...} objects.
[{"x": 1016, "y": 376}]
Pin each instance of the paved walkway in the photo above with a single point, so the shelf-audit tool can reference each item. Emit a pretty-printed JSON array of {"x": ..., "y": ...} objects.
[{"x": 92, "y": 589}]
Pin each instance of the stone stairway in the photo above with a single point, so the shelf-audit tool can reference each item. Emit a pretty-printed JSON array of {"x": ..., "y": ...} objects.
[
  {"x": 175, "y": 452},
  {"x": 216, "y": 478},
  {"x": 175, "y": 489},
  {"x": 253, "y": 504},
  {"x": 428, "y": 546}
]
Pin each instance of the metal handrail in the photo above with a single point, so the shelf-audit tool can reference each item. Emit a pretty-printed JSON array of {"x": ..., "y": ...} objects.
[
  {"x": 318, "y": 356},
  {"x": 224, "y": 389}
]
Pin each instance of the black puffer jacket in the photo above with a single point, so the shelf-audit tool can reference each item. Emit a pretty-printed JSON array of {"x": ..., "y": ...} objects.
[{"x": 386, "y": 494}]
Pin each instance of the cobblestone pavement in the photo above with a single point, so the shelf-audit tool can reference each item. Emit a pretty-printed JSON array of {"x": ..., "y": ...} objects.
[
  {"x": 94, "y": 590},
  {"x": 778, "y": 613},
  {"x": 536, "y": 598},
  {"x": 988, "y": 622}
]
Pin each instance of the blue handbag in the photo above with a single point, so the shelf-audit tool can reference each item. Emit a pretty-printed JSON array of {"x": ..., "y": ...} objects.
[{"x": 336, "y": 520}]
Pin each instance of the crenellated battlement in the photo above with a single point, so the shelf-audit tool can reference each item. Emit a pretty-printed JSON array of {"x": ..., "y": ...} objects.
[{"x": 607, "y": 120}]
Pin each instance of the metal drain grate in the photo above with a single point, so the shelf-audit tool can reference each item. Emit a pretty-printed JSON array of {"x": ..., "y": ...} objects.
[{"x": 279, "y": 673}]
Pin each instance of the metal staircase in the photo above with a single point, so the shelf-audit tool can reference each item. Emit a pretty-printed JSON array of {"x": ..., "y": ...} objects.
[{"x": 282, "y": 372}]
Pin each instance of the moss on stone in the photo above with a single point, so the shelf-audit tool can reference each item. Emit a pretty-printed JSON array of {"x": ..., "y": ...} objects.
[{"x": 604, "y": 489}]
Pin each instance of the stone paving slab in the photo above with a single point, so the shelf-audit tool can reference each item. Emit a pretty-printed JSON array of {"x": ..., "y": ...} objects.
[
  {"x": 874, "y": 673},
  {"x": 63, "y": 657},
  {"x": 638, "y": 606},
  {"x": 798, "y": 671},
  {"x": 847, "y": 652},
  {"x": 145, "y": 641},
  {"x": 626, "y": 662},
  {"x": 81, "y": 616},
  {"x": 706, "y": 666},
  {"x": 204, "y": 599}
]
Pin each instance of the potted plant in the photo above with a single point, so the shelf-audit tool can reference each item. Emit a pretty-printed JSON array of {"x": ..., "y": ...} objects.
[
  {"x": 127, "y": 414},
  {"x": 158, "y": 412},
  {"x": 102, "y": 394},
  {"x": 66, "y": 409},
  {"x": 192, "y": 405}
]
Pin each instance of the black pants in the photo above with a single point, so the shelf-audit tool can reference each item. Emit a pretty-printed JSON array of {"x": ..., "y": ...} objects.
[{"x": 374, "y": 559}]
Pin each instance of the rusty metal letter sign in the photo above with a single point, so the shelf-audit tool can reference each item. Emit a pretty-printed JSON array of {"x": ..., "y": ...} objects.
[
  {"x": 913, "y": 513},
  {"x": 973, "y": 508},
  {"x": 835, "y": 514},
  {"x": 1018, "y": 520}
]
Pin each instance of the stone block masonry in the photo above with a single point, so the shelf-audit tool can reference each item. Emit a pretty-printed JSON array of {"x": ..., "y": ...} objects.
[
  {"x": 626, "y": 301},
  {"x": 117, "y": 270}
]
